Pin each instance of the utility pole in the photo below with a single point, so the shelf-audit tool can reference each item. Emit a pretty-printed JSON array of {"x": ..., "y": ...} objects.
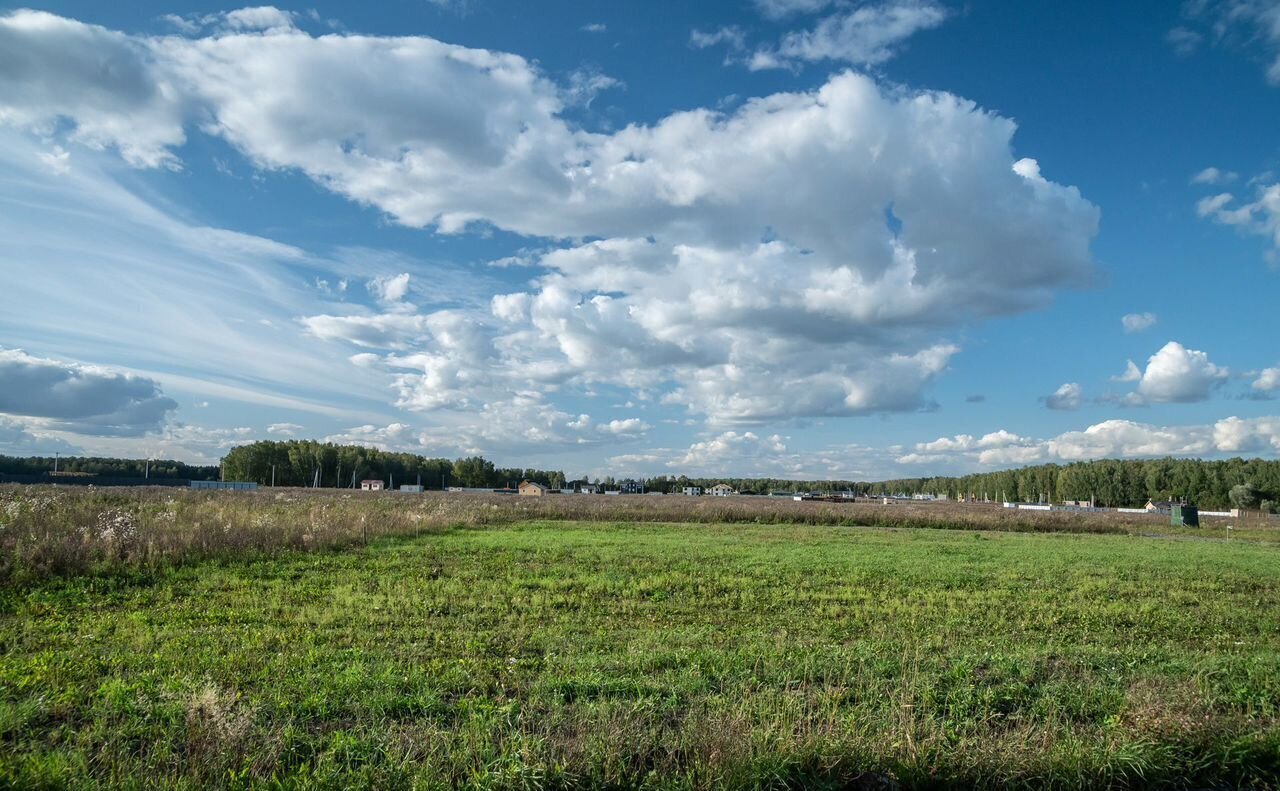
[
  {"x": 273, "y": 476},
  {"x": 55, "y": 462}
]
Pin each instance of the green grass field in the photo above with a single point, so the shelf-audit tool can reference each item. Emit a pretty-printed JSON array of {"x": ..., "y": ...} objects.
[{"x": 560, "y": 654}]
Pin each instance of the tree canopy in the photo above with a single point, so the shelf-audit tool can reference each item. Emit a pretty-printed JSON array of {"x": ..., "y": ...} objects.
[
  {"x": 301, "y": 462},
  {"x": 114, "y": 468},
  {"x": 1108, "y": 482}
]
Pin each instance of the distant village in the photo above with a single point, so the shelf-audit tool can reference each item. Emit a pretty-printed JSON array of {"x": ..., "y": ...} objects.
[
  {"x": 1183, "y": 513},
  {"x": 1180, "y": 488},
  {"x": 535, "y": 489}
]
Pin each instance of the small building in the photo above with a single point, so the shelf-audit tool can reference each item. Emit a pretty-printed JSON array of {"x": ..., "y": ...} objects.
[
  {"x": 411, "y": 488},
  {"x": 1078, "y": 503},
  {"x": 693, "y": 491},
  {"x": 721, "y": 490},
  {"x": 630, "y": 486},
  {"x": 588, "y": 488},
  {"x": 371, "y": 485},
  {"x": 532, "y": 489}
]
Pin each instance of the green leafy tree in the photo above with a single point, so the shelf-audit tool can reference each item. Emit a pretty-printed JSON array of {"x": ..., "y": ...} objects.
[{"x": 1244, "y": 495}]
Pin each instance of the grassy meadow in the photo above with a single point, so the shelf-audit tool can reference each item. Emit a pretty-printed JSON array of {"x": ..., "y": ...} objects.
[{"x": 506, "y": 650}]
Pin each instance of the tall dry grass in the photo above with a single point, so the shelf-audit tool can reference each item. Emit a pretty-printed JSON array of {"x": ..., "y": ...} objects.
[{"x": 48, "y": 531}]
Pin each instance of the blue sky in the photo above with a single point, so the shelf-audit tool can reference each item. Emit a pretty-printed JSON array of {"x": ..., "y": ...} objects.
[{"x": 788, "y": 238}]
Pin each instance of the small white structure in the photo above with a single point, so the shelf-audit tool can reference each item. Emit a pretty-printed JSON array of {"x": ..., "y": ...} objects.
[
  {"x": 411, "y": 488},
  {"x": 693, "y": 491},
  {"x": 721, "y": 490},
  {"x": 371, "y": 486}
]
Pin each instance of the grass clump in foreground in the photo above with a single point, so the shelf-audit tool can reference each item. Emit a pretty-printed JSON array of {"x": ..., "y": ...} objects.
[{"x": 661, "y": 656}]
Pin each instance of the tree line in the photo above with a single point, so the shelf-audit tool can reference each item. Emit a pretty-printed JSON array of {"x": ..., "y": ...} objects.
[
  {"x": 1116, "y": 483},
  {"x": 1247, "y": 483},
  {"x": 307, "y": 462},
  {"x": 108, "y": 468}
]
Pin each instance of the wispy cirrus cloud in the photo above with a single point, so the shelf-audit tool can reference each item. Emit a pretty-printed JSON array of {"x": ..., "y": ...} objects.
[
  {"x": 866, "y": 35},
  {"x": 1249, "y": 25},
  {"x": 1259, "y": 216}
]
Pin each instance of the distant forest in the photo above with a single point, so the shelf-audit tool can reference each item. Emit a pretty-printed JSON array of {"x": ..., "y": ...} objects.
[
  {"x": 1250, "y": 483},
  {"x": 107, "y": 468},
  {"x": 301, "y": 462},
  {"x": 1108, "y": 482},
  {"x": 1247, "y": 483}
]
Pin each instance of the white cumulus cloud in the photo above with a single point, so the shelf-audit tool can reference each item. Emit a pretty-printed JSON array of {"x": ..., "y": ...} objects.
[
  {"x": 1214, "y": 176},
  {"x": 17, "y": 438},
  {"x": 1067, "y": 397},
  {"x": 1176, "y": 374},
  {"x": 834, "y": 314},
  {"x": 1268, "y": 380},
  {"x": 1138, "y": 322},
  {"x": 629, "y": 426},
  {"x": 1108, "y": 439},
  {"x": 1132, "y": 373},
  {"x": 79, "y": 398},
  {"x": 389, "y": 289}
]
